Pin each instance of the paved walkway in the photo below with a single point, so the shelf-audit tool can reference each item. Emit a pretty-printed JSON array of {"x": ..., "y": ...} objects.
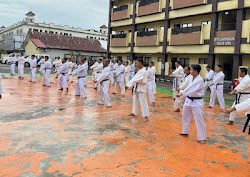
[{"x": 47, "y": 133}]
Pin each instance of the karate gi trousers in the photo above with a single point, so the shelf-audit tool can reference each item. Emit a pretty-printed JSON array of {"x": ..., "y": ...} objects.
[
  {"x": 21, "y": 71},
  {"x": 104, "y": 93},
  {"x": 12, "y": 69},
  {"x": 140, "y": 98},
  {"x": 122, "y": 87},
  {"x": 197, "y": 111},
  {"x": 63, "y": 81},
  {"x": 217, "y": 91},
  {"x": 80, "y": 88},
  {"x": 46, "y": 75},
  {"x": 150, "y": 91},
  {"x": 33, "y": 75}
]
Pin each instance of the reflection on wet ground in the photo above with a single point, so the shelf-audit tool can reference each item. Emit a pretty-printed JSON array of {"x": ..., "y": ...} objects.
[{"x": 45, "y": 133}]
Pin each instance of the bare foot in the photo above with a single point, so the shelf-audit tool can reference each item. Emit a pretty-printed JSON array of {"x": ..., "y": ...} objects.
[
  {"x": 230, "y": 122},
  {"x": 209, "y": 107},
  {"x": 177, "y": 110},
  {"x": 132, "y": 115}
]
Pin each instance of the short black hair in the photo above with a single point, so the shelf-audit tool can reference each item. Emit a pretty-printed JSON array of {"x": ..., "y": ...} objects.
[
  {"x": 244, "y": 70},
  {"x": 46, "y": 57},
  {"x": 188, "y": 67},
  {"x": 196, "y": 68},
  {"x": 152, "y": 62},
  {"x": 220, "y": 66},
  {"x": 178, "y": 62},
  {"x": 33, "y": 56},
  {"x": 141, "y": 61},
  {"x": 208, "y": 67}
]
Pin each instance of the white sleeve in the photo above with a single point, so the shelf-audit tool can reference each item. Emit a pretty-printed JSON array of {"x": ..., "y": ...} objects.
[
  {"x": 192, "y": 88},
  {"x": 242, "y": 86},
  {"x": 136, "y": 79},
  {"x": 102, "y": 76}
]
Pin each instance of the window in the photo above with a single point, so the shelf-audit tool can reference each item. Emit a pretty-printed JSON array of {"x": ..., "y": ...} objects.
[
  {"x": 66, "y": 34},
  {"x": 147, "y": 60},
  {"x": 128, "y": 58},
  {"x": 159, "y": 59},
  {"x": 177, "y": 25},
  {"x": 35, "y": 30},
  {"x": 87, "y": 37},
  {"x": 41, "y": 31},
  {"x": 46, "y": 31},
  {"x": 56, "y": 32},
  {"x": 119, "y": 57},
  {"x": 51, "y": 32},
  {"x": 184, "y": 62},
  {"x": 203, "y": 61},
  {"x": 205, "y": 22},
  {"x": 61, "y": 33},
  {"x": 186, "y": 25}
]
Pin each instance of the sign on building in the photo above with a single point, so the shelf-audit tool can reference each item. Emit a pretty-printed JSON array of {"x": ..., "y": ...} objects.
[{"x": 224, "y": 41}]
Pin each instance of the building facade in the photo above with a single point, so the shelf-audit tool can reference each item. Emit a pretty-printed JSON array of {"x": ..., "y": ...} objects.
[
  {"x": 12, "y": 37},
  {"x": 191, "y": 31}
]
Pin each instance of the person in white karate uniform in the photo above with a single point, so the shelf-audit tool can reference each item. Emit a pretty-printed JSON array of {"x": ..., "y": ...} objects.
[
  {"x": 179, "y": 100},
  {"x": 127, "y": 72},
  {"x": 13, "y": 66},
  {"x": 46, "y": 70},
  {"x": 243, "y": 107},
  {"x": 132, "y": 70},
  {"x": 208, "y": 78},
  {"x": 119, "y": 78},
  {"x": 103, "y": 81},
  {"x": 21, "y": 61},
  {"x": 41, "y": 63},
  {"x": 97, "y": 71},
  {"x": 82, "y": 72},
  {"x": 178, "y": 75},
  {"x": 151, "y": 83},
  {"x": 57, "y": 64},
  {"x": 63, "y": 75},
  {"x": 33, "y": 65},
  {"x": 139, "y": 85},
  {"x": 92, "y": 67},
  {"x": 1, "y": 89},
  {"x": 112, "y": 71},
  {"x": 217, "y": 88},
  {"x": 194, "y": 105},
  {"x": 242, "y": 92}
]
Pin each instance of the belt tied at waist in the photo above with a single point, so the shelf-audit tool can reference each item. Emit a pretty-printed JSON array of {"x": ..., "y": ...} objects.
[
  {"x": 218, "y": 85},
  {"x": 63, "y": 73},
  {"x": 238, "y": 96},
  {"x": 194, "y": 98},
  {"x": 81, "y": 77},
  {"x": 104, "y": 81}
]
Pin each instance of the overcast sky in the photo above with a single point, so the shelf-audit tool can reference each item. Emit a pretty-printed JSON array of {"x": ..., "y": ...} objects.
[{"x": 77, "y": 13}]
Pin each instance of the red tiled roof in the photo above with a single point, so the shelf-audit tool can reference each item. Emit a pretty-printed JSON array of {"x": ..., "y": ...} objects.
[
  {"x": 63, "y": 42},
  {"x": 38, "y": 43}
]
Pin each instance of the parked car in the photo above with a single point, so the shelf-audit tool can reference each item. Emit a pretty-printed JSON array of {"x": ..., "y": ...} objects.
[{"x": 9, "y": 58}]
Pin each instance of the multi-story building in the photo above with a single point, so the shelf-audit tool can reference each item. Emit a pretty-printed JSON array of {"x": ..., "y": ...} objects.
[
  {"x": 191, "y": 31},
  {"x": 12, "y": 37}
]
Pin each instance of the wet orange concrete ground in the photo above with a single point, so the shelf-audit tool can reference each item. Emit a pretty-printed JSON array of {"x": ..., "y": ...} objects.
[{"x": 45, "y": 132}]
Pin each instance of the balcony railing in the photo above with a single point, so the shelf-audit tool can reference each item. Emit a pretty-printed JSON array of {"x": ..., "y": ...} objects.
[
  {"x": 227, "y": 27},
  {"x": 119, "y": 36},
  {"x": 147, "y": 2},
  {"x": 146, "y": 33},
  {"x": 121, "y": 8},
  {"x": 192, "y": 29}
]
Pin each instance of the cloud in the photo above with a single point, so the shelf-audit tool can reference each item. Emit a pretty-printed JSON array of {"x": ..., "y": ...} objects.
[{"x": 77, "y": 13}]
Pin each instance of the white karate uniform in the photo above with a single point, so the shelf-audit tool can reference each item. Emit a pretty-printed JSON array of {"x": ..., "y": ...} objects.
[
  {"x": 98, "y": 71},
  {"x": 63, "y": 76},
  {"x": 33, "y": 65},
  {"x": 127, "y": 74},
  {"x": 119, "y": 79},
  {"x": 217, "y": 90},
  {"x": 208, "y": 80},
  {"x": 139, "y": 82},
  {"x": 57, "y": 64},
  {"x": 243, "y": 87},
  {"x": 112, "y": 70},
  {"x": 243, "y": 106},
  {"x": 96, "y": 64},
  {"x": 103, "y": 81},
  {"x": 132, "y": 71},
  {"x": 41, "y": 63},
  {"x": 151, "y": 84},
  {"x": 178, "y": 75},
  {"x": 1, "y": 89},
  {"x": 46, "y": 70},
  {"x": 21, "y": 61},
  {"x": 82, "y": 72},
  {"x": 13, "y": 66},
  {"x": 195, "y": 89},
  {"x": 179, "y": 100}
]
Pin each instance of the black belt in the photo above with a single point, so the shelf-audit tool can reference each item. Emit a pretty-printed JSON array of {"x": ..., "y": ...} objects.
[
  {"x": 238, "y": 96},
  {"x": 194, "y": 98},
  {"x": 104, "y": 81},
  {"x": 218, "y": 85},
  {"x": 63, "y": 73},
  {"x": 81, "y": 77}
]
